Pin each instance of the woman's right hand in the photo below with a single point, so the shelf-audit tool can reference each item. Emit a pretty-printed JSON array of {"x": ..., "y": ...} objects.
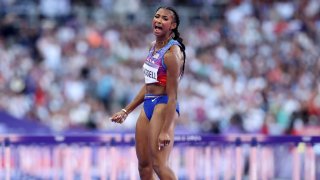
[{"x": 119, "y": 117}]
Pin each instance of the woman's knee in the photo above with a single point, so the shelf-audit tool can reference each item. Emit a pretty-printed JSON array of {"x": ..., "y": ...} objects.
[
  {"x": 145, "y": 167},
  {"x": 163, "y": 171},
  {"x": 145, "y": 171},
  {"x": 157, "y": 167}
]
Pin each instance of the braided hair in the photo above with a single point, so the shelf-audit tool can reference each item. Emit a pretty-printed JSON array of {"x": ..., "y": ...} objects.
[{"x": 177, "y": 35}]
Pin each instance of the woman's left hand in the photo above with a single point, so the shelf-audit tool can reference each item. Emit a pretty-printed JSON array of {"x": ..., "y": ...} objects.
[{"x": 163, "y": 140}]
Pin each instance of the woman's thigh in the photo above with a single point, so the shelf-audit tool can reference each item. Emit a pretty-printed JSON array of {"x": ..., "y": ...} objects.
[
  {"x": 160, "y": 156},
  {"x": 142, "y": 140}
]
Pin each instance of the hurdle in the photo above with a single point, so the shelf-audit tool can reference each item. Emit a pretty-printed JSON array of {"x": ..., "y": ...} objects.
[{"x": 195, "y": 156}]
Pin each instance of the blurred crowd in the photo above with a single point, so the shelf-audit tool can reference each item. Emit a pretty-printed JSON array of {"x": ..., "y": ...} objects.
[{"x": 253, "y": 69}]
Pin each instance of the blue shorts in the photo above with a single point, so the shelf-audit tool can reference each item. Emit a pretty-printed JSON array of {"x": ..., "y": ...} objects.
[{"x": 150, "y": 102}]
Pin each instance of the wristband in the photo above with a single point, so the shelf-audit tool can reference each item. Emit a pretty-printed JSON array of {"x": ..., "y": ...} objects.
[{"x": 125, "y": 111}]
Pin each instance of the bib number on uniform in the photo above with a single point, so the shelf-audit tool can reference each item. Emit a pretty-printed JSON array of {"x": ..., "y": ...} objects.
[{"x": 150, "y": 74}]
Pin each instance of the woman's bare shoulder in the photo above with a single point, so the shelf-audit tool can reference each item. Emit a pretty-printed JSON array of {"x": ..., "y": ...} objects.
[{"x": 175, "y": 52}]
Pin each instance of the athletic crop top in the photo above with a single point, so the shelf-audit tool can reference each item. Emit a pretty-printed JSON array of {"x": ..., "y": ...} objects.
[{"x": 154, "y": 69}]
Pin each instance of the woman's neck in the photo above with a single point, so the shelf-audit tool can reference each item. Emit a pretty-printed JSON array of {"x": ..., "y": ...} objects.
[{"x": 160, "y": 42}]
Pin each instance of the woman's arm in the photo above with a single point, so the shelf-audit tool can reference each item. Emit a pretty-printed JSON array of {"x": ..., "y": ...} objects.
[
  {"x": 172, "y": 60},
  {"x": 137, "y": 100},
  {"x": 120, "y": 116}
]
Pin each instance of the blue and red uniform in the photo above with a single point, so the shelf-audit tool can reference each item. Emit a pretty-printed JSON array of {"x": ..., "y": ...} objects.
[{"x": 155, "y": 72}]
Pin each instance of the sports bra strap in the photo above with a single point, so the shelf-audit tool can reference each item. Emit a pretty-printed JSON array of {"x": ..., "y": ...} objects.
[{"x": 167, "y": 47}]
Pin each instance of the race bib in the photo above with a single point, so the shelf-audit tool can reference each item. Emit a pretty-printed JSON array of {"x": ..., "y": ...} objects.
[{"x": 150, "y": 73}]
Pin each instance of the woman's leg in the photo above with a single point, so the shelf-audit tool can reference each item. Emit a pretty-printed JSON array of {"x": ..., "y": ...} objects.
[
  {"x": 160, "y": 157},
  {"x": 142, "y": 144}
]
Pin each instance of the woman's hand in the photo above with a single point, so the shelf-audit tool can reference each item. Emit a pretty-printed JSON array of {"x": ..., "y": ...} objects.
[
  {"x": 120, "y": 116},
  {"x": 163, "y": 140}
]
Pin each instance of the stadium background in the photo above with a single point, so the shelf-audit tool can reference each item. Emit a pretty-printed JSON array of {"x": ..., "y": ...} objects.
[
  {"x": 252, "y": 69},
  {"x": 252, "y": 66}
]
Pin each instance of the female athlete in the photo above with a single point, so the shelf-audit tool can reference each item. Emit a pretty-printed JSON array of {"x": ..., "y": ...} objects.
[{"x": 163, "y": 68}]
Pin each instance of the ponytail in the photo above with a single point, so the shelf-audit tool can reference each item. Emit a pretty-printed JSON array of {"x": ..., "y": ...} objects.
[{"x": 177, "y": 36}]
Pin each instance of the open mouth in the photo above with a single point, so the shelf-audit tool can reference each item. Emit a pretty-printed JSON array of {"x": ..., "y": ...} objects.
[{"x": 156, "y": 27}]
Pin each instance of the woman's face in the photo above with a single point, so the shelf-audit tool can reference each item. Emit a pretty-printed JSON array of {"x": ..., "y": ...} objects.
[{"x": 163, "y": 22}]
